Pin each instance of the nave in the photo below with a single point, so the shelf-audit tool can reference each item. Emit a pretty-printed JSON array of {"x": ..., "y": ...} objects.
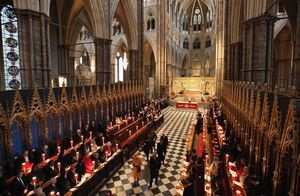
[{"x": 176, "y": 127}]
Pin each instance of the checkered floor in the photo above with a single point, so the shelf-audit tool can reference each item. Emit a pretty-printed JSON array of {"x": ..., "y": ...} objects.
[{"x": 175, "y": 126}]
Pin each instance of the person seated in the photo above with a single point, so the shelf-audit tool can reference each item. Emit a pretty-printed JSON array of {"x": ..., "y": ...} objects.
[
  {"x": 98, "y": 139},
  {"x": 71, "y": 177},
  {"x": 63, "y": 183},
  {"x": 88, "y": 165},
  {"x": 50, "y": 170},
  {"x": 51, "y": 187},
  {"x": 38, "y": 173},
  {"x": 77, "y": 137},
  {"x": 101, "y": 153},
  {"x": 18, "y": 185},
  {"x": 250, "y": 184},
  {"x": 45, "y": 151},
  {"x": 39, "y": 192},
  {"x": 86, "y": 131}
]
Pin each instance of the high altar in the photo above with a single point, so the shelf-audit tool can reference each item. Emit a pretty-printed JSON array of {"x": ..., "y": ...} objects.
[{"x": 194, "y": 85}]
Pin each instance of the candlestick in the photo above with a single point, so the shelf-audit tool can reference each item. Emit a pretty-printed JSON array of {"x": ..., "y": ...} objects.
[
  {"x": 58, "y": 166},
  {"x": 43, "y": 156},
  {"x": 24, "y": 168},
  {"x": 71, "y": 142},
  {"x": 93, "y": 165},
  {"x": 33, "y": 180},
  {"x": 58, "y": 149},
  {"x": 77, "y": 155},
  {"x": 227, "y": 158},
  {"x": 76, "y": 177}
]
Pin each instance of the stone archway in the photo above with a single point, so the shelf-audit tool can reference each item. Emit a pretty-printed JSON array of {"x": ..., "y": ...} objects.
[{"x": 149, "y": 68}]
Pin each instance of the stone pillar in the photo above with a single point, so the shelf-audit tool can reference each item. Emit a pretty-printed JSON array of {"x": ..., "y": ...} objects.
[
  {"x": 296, "y": 65},
  {"x": 140, "y": 27},
  {"x": 221, "y": 49},
  {"x": 258, "y": 49},
  {"x": 34, "y": 48},
  {"x": 103, "y": 64},
  {"x": 160, "y": 71},
  {"x": 2, "y": 78},
  {"x": 134, "y": 66}
]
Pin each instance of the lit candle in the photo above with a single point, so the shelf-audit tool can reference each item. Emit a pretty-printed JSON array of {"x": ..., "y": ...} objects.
[
  {"x": 143, "y": 123},
  {"x": 91, "y": 134},
  {"x": 227, "y": 157},
  {"x": 110, "y": 124},
  {"x": 103, "y": 140},
  {"x": 58, "y": 166},
  {"x": 106, "y": 155},
  {"x": 133, "y": 118},
  {"x": 117, "y": 146},
  {"x": 137, "y": 127},
  {"x": 71, "y": 142},
  {"x": 76, "y": 177},
  {"x": 206, "y": 158},
  {"x": 43, "y": 156},
  {"x": 77, "y": 155},
  {"x": 93, "y": 165},
  {"x": 58, "y": 149},
  {"x": 81, "y": 138},
  {"x": 129, "y": 133},
  {"x": 34, "y": 181},
  {"x": 23, "y": 167}
]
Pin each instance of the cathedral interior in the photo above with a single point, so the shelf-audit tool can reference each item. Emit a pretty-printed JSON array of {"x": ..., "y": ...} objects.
[{"x": 86, "y": 87}]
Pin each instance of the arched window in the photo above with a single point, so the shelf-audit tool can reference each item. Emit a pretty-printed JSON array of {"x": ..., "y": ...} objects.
[
  {"x": 186, "y": 44},
  {"x": 10, "y": 46},
  {"x": 207, "y": 42},
  {"x": 152, "y": 23},
  {"x": 196, "y": 44},
  {"x": 197, "y": 19}
]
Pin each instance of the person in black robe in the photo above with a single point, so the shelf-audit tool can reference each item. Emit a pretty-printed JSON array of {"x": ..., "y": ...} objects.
[{"x": 154, "y": 170}]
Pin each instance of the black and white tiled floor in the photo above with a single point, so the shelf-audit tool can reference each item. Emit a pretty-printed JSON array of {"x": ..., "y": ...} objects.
[{"x": 175, "y": 126}]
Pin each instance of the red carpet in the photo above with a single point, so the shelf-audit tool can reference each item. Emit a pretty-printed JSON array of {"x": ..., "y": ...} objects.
[{"x": 200, "y": 149}]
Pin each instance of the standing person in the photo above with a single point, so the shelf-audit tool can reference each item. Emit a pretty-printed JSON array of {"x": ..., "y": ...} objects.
[
  {"x": 165, "y": 143},
  {"x": 137, "y": 168},
  {"x": 152, "y": 142},
  {"x": 147, "y": 147},
  {"x": 160, "y": 151},
  {"x": 154, "y": 170}
]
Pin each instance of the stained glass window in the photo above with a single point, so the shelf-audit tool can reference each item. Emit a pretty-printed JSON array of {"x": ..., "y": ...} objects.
[{"x": 10, "y": 44}]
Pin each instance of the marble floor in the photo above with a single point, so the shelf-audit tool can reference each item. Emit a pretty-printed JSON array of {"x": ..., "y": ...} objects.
[{"x": 175, "y": 126}]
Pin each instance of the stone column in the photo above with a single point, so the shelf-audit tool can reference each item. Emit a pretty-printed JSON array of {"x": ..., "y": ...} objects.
[
  {"x": 103, "y": 64},
  {"x": 134, "y": 66},
  {"x": 258, "y": 49},
  {"x": 34, "y": 48},
  {"x": 140, "y": 27},
  {"x": 160, "y": 71},
  {"x": 2, "y": 78},
  {"x": 296, "y": 65}
]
